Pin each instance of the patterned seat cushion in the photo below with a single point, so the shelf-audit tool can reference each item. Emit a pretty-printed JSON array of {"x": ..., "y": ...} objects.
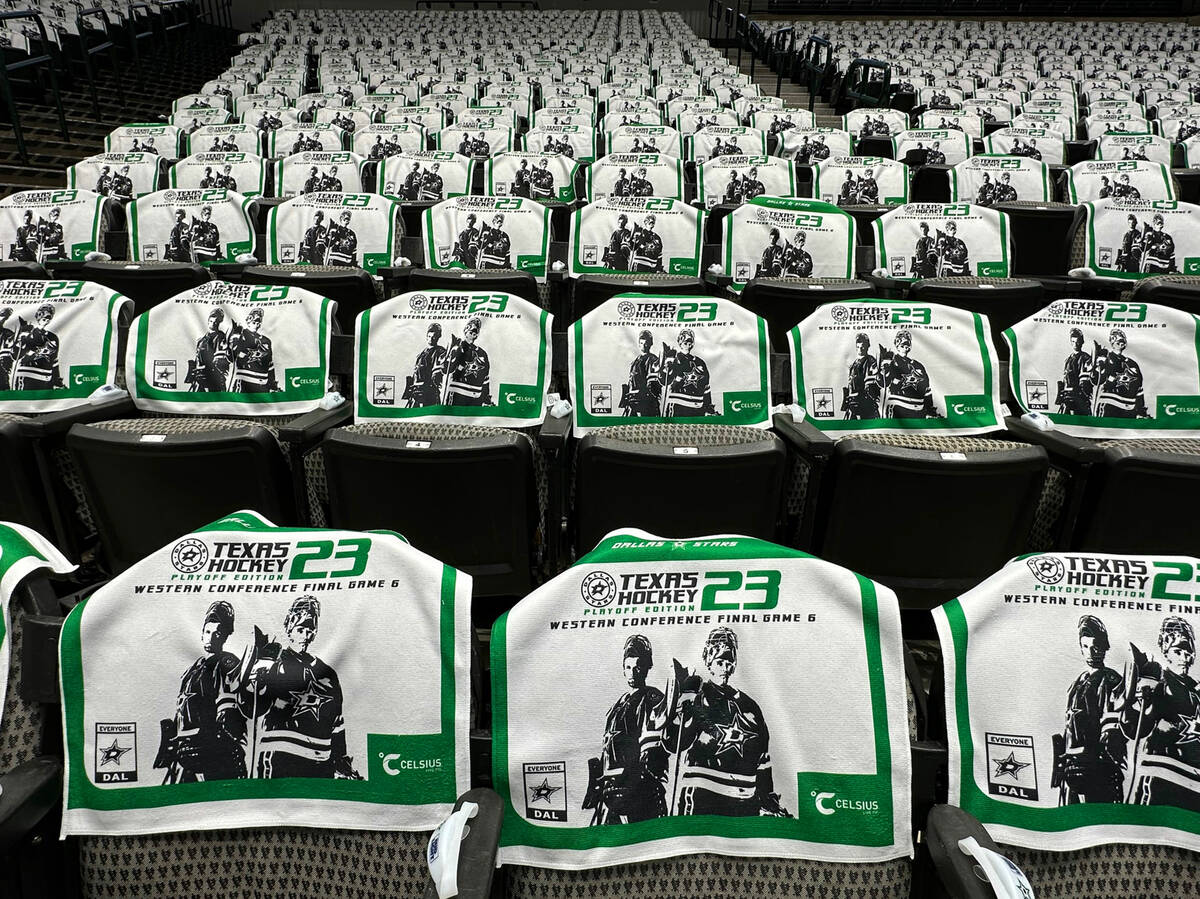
[
  {"x": 22, "y": 731},
  {"x": 293, "y": 862},
  {"x": 971, "y": 281},
  {"x": 376, "y": 283},
  {"x": 1113, "y": 871},
  {"x": 1183, "y": 446},
  {"x": 673, "y": 434},
  {"x": 715, "y": 877},
  {"x": 183, "y": 424}
]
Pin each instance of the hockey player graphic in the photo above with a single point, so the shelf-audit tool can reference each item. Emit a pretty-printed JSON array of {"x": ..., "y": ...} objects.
[
  {"x": 1089, "y": 754},
  {"x": 208, "y": 180},
  {"x": 252, "y": 357},
  {"x": 952, "y": 253},
  {"x": 316, "y": 241},
  {"x": 206, "y": 238},
  {"x": 1003, "y": 191},
  {"x": 1076, "y": 388},
  {"x": 1158, "y": 249},
  {"x": 51, "y": 243},
  {"x": 1120, "y": 387},
  {"x": 313, "y": 182},
  {"x": 934, "y": 155},
  {"x": 179, "y": 242},
  {"x": 906, "y": 389},
  {"x": 521, "y": 186},
  {"x": 495, "y": 246},
  {"x": 1124, "y": 190},
  {"x": 104, "y": 182},
  {"x": 616, "y": 254},
  {"x": 1161, "y": 716},
  {"x": 35, "y": 353},
  {"x": 1129, "y": 257},
  {"x": 466, "y": 247},
  {"x": 848, "y": 192},
  {"x": 468, "y": 377},
  {"x": 860, "y": 396},
  {"x": 25, "y": 244},
  {"x": 226, "y": 180},
  {"x": 645, "y": 248},
  {"x": 639, "y": 184},
  {"x": 122, "y": 185},
  {"x": 797, "y": 261},
  {"x": 205, "y": 740},
  {"x": 719, "y": 739},
  {"x": 772, "y": 258},
  {"x": 621, "y": 184},
  {"x": 294, "y": 702},
  {"x": 1106, "y": 188},
  {"x": 733, "y": 189},
  {"x": 330, "y": 181},
  {"x": 432, "y": 184},
  {"x": 751, "y": 186},
  {"x": 412, "y": 183},
  {"x": 209, "y": 372},
  {"x": 343, "y": 242},
  {"x": 925, "y": 257},
  {"x": 687, "y": 391},
  {"x": 627, "y": 782},
  {"x": 541, "y": 181},
  {"x": 641, "y": 395},
  {"x": 8, "y": 348},
  {"x": 424, "y": 386}
]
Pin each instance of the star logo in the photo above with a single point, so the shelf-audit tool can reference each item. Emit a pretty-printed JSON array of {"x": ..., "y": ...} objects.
[
  {"x": 734, "y": 736},
  {"x": 1010, "y": 766},
  {"x": 381, "y": 390},
  {"x": 601, "y": 398},
  {"x": 1191, "y": 730},
  {"x": 542, "y": 791},
  {"x": 113, "y": 753},
  {"x": 822, "y": 403},
  {"x": 307, "y": 701}
]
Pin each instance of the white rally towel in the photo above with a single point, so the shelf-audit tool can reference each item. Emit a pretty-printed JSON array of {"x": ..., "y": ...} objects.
[
  {"x": 775, "y": 237},
  {"x": 658, "y": 699},
  {"x": 488, "y": 233},
  {"x": 22, "y": 552},
  {"x": 232, "y": 349},
  {"x": 58, "y": 343},
  {"x": 929, "y": 240},
  {"x": 652, "y": 358},
  {"x": 654, "y": 235},
  {"x": 891, "y": 367},
  {"x": 1072, "y": 701},
  {"x": 472, "y": 358},
  {"x": 1108, "y": 369},
  {"x": 201, "y": 226},
  {"x": 252, "y": 676}
]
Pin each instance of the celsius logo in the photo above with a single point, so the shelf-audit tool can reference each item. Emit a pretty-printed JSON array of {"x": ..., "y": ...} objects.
[
  {"x": 626, "y": 309},
  {"x": 828, "y": 803},
  {"x": 964, "y": 409},
  {"x": 1046, "y": 569},
  {"x": 839, "y": 314},
  {"x": 1173, "y": 409},
  {"x": 189, "y": 555},
  {"x": 820, "y": 799},
  {"x": 598, "y": 589},
  {"x": 417, "y": 302},
  {"x": 743, "y": 405}
]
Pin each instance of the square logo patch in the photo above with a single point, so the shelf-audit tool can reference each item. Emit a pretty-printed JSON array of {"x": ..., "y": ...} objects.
[
  {"x": 545, "y": 791},
  {"x": 1011, "y": 766},
  {"x": 116, "y": 753}
]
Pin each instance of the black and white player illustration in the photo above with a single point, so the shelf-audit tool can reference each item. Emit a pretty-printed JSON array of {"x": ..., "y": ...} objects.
[
  {"x": 771, "y": 265},
  {"x": 30, "y": 353},
  {"x": 495, "y": 246},
  {"x": 647, "y": 144},
  {"x": 645, "y": 247},
  {"x": 1002, "y": 190},
  {"x": 621, "y": 184},
  {"x": 293, "y": 700},
  {"x": 269, "y": 120},
  {"x": 475, "y": 147},
  {"x": 39, "y": 241},
  {"x": 209, "y": 371},
  {"x": 205, "y": 740},
  {"x": 940, "y": 100},
  {"x": 906, "y": 389},
  {"x": 122, "y": 185},
  {"x": 986, "y": 195},
  {"x": 342, "y": 242},
  {"x": 541, "y": 181},
  {"x": 104, "y": 181},
  {"x": 558, "y": 145},
  {"x": 616, "y": 254},
  {"x": 1124, "y": 190},
  {"x": 925, "y": 257},
  {"x": 797, "y": 261},
  {"x": 860, "y": 396},
  {"x": 251, "y": 356},
  {"x": 951, "y": 125},
  {"x": 727, "y": 147},
  {"x": 521, "y": 185},
  {"x": 432, "y": 185},
  {"x": 1089, "y": 754},
  {"x": 223, "y": 145},
  {"x": 305, "y": 144},
  {"x": 315, "y": 246},
  {"x": 146, "y": 146},
  {"x": 424, "y": 387},
  {"x": 205, "y": 237},
  {"x": 1134, "y": 153},
  {"x": 1161, "y": 717},
  {"x": 687, "y": 387},
  {"x": 24, "y": 247},
  {"x": 344, "y": 121},
  {"x": 627, "y": 782},
  {"x": 781, "y": 124},
  {"x": 1076, "y": 389},
  {"x": 468, "y": 377},
  {"x": 225, "y": 179},
  {"x": 641, "y": 395},
  {"x": 1106, "y": 187},
  {"x": 208, "y": 180},
  {"x": 951, "y": 252},
  {"x": 934, "y": 155},
  {"x": 1187, "y": 129},
  {"x": 1129, "y": 257},
  {"x": 720, "y": 740},
  {"x": 1158, "y": 249},
  {"x": 812, "y": 149},
  {"x": 466, "y": 245},
  {"x": 1029, "y": 148},
  {"x": 874, "y": 126},
  {"x": 640, "y": 185},
  {"x": 1120, "y": 385}
]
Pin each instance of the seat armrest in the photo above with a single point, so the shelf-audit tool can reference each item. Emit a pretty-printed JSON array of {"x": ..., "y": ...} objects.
[
  {"x": 56, "y": 423},
  {"x": 944, "y": 828},
  {"x": 310, "y": 427},
  {"x": 27, "y": 794},
  {"x": 803, "y": 437},
  {"x": 721, "y": 281},
  {"x": 1055, "y": 442},
  {"x": 553, "y": 434}
]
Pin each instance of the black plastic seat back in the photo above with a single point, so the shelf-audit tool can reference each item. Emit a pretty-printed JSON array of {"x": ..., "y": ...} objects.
[
  {"x": 1039, "y": 233},
  {"x": 470, "y": 503},
  {"x": 24, "y": 498},
  {"x": 1139, "y": 502},
  {"x": 1005, "y": 301},
  {"x": 785, "y": 303},
  {"x": 32, "y": 271},
  {"x": 147, "y": 284},
  {"x": 928, "y": 524},
  {"x": 1179, "y": 291},
  {"x": 146, "y": 492},
  {"x": 521, "y": 284},
  {"x": 677, "y": 490},
  {"x": 351, "y": 288}
]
